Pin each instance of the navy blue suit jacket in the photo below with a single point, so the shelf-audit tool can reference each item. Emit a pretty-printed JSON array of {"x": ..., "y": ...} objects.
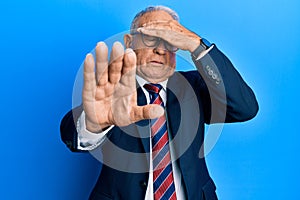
[{"x": 215, "y": 93}]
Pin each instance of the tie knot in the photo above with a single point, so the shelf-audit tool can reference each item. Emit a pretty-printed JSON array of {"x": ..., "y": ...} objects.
[{"x": 153, "y": 88}]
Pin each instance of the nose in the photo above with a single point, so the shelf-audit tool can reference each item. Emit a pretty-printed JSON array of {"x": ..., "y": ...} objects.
[{"x": 160, "y": 48}]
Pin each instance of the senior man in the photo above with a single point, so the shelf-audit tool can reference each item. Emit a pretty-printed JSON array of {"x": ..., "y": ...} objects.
[{"x": 148, "y": 120}]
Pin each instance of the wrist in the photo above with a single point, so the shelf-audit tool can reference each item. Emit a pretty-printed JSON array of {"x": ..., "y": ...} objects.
[
  {"x": 194, "y": 44},
  {"x": 204, "y": 45},
  {"x": 94, "y": 127}
]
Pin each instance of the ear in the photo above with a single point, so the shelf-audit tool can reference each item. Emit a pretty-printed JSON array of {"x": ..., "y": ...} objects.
[{"x": 128, "y": 40}]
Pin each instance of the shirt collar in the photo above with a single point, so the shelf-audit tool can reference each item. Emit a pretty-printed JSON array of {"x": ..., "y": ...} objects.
[{"x": 142, "y": 82}]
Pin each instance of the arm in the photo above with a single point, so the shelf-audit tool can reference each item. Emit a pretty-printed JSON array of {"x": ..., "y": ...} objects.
[
  {"x": 109, "y": 95},
  {"x": 227, "y": 97},
  {"x": 68, "y": 129},
  {"x": 75, "y": 134}
]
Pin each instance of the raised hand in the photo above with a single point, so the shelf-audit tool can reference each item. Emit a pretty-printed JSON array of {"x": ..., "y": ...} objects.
[
  {"x": 172, "y": 32},
  {"x": 109, "y": 92}
]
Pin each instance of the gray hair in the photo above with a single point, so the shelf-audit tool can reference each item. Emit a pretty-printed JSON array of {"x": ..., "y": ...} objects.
[{"x": 134, "y": 22}]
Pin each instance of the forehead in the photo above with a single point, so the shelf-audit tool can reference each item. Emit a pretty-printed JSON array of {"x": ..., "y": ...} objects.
[{"x": 158, "y": 15}]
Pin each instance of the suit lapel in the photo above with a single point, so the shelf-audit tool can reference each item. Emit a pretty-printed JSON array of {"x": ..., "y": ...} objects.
[
  {"x": 174, "y": 97},
  {"x": 173, "y": 106},
  {"x": 143, "y": 125},
  {"x": 173, "y": 113}
]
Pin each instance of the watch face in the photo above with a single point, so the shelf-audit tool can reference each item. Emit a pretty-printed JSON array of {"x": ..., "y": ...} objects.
[{"x": 206, "y": 42}]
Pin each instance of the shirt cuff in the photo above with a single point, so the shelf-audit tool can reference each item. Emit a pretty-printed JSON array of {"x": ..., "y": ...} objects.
[
  {"x": 86, "y": 139},
  {"x": 203, "y": 53}
]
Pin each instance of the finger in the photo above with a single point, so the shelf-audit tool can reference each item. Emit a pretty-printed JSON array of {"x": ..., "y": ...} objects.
[
  {"x": 166, "y": 28},
  {"x": 166, "y": 35},
  {"x": 116, "y": 63},
  {"x": 161, "y": 33},
  {"x": 129, "y": 61},
  {"x": 129, "y": 69},
  {"x": 158, "y": 23},
  {"x": 150, "y": 111},
  {"x": 101, "y": 63},
  {"x": 162, "y": 28},
  {"x": 178, "y": 38},
  {"x": 150, "y": 31},
  {"x": 89, "y": 83}
]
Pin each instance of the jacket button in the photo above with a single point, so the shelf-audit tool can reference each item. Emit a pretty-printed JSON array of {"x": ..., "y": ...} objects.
[{"x": 143, "y": 184}]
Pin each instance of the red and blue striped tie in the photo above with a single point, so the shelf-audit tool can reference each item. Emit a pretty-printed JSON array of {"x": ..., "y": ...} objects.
[{"x": 163, "y": 180}]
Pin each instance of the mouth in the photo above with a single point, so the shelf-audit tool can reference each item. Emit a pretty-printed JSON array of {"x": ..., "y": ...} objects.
[{"x": 156, "y": 62}]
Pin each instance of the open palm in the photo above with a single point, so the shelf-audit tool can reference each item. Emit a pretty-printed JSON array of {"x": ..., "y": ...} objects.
[{"x": 109, "y": 91}]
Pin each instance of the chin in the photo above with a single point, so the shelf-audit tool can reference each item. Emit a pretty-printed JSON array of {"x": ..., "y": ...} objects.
[
  {"x": 157, "y": 77},
  {"x": 151, "y": 73}
]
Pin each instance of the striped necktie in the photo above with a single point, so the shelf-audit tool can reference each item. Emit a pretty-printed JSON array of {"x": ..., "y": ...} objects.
[{"x": 163, "y": 180}]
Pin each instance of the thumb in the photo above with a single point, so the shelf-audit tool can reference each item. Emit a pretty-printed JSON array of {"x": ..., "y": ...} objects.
[{"x": 150, "y": 111}]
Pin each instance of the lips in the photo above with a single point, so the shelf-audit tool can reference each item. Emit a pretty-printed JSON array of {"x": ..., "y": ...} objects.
[{"x": 156, "y": 62}]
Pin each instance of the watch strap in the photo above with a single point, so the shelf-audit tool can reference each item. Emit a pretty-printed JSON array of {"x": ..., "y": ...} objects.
[{"x": 204, "y": 45}]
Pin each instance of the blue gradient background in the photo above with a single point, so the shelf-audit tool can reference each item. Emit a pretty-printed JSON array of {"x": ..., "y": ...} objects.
[{"x": 42, "y": 45}]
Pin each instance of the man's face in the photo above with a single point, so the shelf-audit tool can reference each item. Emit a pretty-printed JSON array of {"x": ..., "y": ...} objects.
[{"x": 155, "y": 64}]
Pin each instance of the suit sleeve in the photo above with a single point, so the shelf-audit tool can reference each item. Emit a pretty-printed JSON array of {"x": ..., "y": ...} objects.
[
  {"x": 68, "y": 129},
  {"x": 227, "y": 97}
]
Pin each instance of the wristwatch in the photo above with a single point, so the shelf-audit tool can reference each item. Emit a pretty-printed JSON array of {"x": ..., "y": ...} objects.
[{"x": 204, "y": 45}]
